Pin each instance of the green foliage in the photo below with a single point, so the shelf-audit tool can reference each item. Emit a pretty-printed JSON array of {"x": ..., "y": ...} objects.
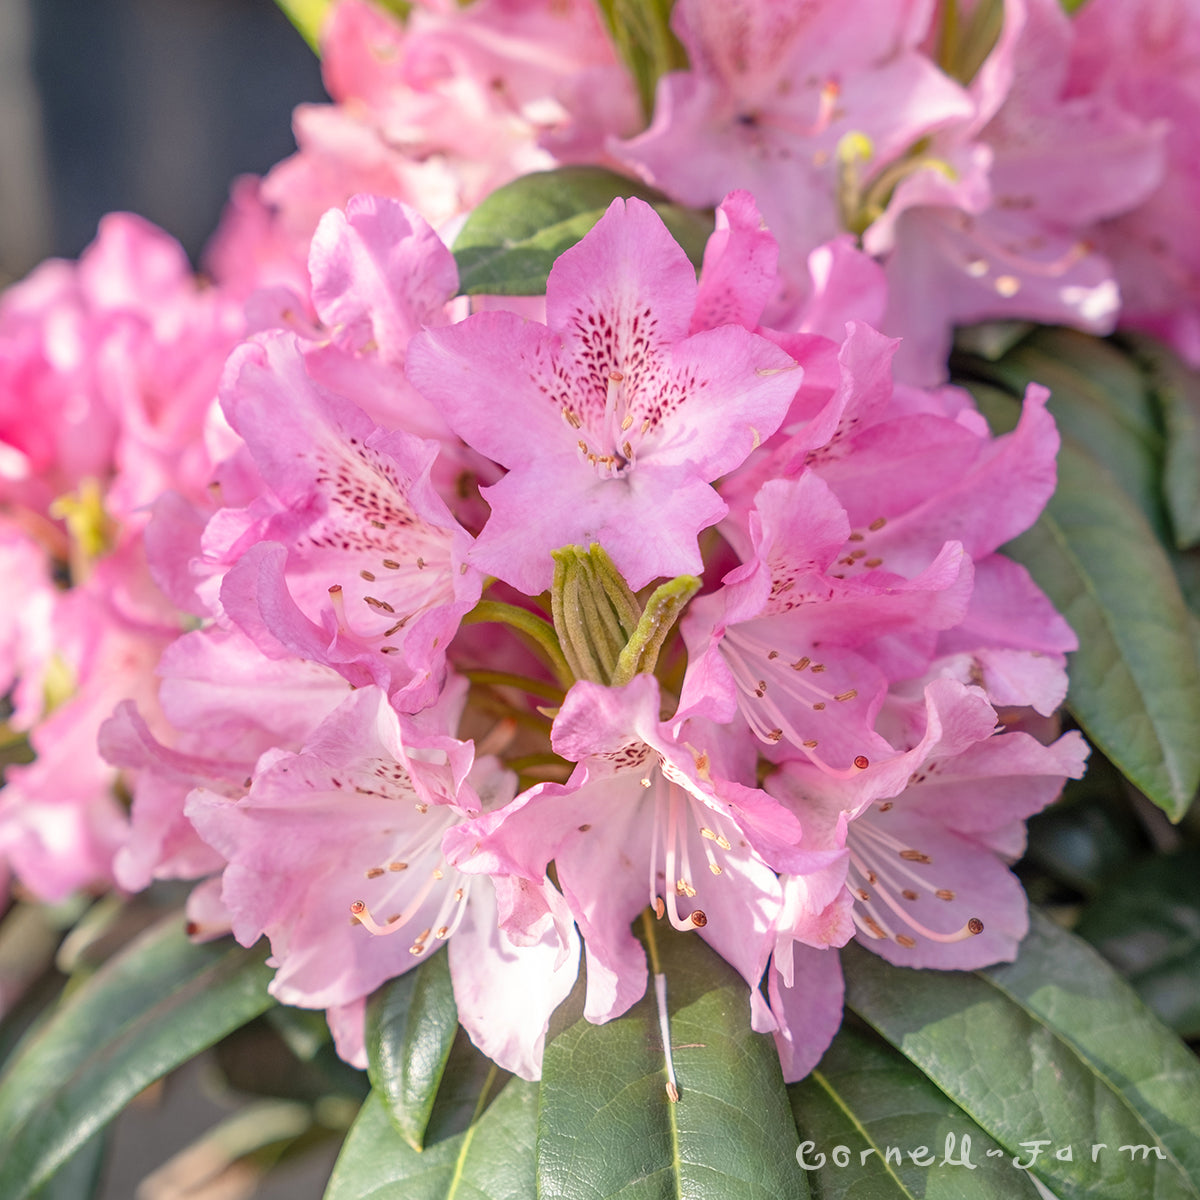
[
  {"x": 491, "y": 1157},
  {"x": 411, "y": 1025},
  {"x": 606, "y": 1126},
  {"x": 155, "y": 1005},
  {"x": 307, "y": 16},
  {"x": 1148, "y": 925},
  {"x": 1052, "y": 1048},
  {"x": 641, "y": 32},
  {"x": 510, "y": 241},
  {"x": 1103, "y": 551},
  {"x": 870, "y": 1099}
]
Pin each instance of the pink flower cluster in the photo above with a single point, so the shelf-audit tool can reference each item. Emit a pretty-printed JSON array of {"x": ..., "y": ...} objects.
[{"x": 384, "y": 634}]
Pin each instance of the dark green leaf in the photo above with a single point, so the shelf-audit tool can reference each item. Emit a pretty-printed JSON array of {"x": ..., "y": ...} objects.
[
  {"x": 510, "y": 241},
  {"x": 1090, "y": 835},
  {"x": 1135, "y": 683},
  {"x": 493, "y": 1159},
  {"x": 80, "y": 1177},
  {"x": 1176, "y": 387},
  {"x": 1148, "y": 925},
  {"x": 411, "y": 1025},
  {"x": 158, "y": 1003},
  {"x": 889, "y": 1118},
  {"x": 606, "y": 1126},
  {"x": 1055, "y": 1048}
]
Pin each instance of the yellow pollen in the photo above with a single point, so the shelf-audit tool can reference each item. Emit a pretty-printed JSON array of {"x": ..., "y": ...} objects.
[
  {"x": 437, "y": 872},
  {"x": 714, "y": 868},
  {"x": 1007, "y": 285},
  {"x": 458, "y": 894},
  {"x": 683, "y": 888},
  {"x": 644, "y": 782},
  {"x": 626, "y": 423}
]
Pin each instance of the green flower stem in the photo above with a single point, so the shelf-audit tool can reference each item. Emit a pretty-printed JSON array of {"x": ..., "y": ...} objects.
[
  {"x": 535, "y": 687},
  {"x": 539, "y": 630}
]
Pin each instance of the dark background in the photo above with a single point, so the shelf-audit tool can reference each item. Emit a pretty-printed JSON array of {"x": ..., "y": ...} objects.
[{"x": 151, "y": 106}]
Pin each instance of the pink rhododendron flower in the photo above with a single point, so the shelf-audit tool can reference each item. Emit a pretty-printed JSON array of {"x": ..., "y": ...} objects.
[
  {"x": 1146, "y": 57},
  {"x": 772, "y": 91},
  {"x": 644, "y": 818},
  {"x": 354, "y": 824},
  {"x": 611, "y": 408}
]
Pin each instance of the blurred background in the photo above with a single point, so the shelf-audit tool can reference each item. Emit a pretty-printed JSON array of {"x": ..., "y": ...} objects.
[{"x": 151, "y": 106}]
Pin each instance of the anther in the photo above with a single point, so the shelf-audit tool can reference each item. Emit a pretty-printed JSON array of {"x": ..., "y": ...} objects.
[
  {"x": 944, "y": 894},
  {"x": 367, "y": 576},
  {"x": 905, "y": 941},
  {"x": 800, "y": 664},
  {"x": 915, "y": 856},
  {"x": 391, "y": 564},
  {"x": 842, "y": 697},
  {"x": 877, "y": 524},
  {"x": 659, "y": 907},
  {"x": 374, "y": 872},
  {"x": 382, "y": 605},
  {"x": 909, "y": 894}
]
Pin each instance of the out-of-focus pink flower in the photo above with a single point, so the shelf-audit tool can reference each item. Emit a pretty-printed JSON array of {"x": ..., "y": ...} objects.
[{"x": 1146, "y": 56}]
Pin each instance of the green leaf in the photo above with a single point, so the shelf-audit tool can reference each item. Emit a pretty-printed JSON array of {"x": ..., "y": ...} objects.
[
  {"x": 307, "y": 16},
  {"x": 641, "y": 32},
  {"x": 81, "y": 1176},
  {"x": 606, "y": 1126},
  {"x": 1148, "y": 925},
  {"x": 510, "y": 241},
  {"x": 411, "y": 1025},
  {"x": 155, "y": 1005},
  {"x": 1053, "y": 1048},
  {"x": 890, "y": 1119},
  {"x": 1176, "y": 387},
  {"x": 1135, "y": 683},
  {"x": 492, "y": 1159}
]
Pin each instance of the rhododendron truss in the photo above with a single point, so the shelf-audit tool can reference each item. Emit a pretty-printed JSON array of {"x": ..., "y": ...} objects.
[
  {"x": 642, "y": 609},
  {"x": 567, "y": 635}
]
